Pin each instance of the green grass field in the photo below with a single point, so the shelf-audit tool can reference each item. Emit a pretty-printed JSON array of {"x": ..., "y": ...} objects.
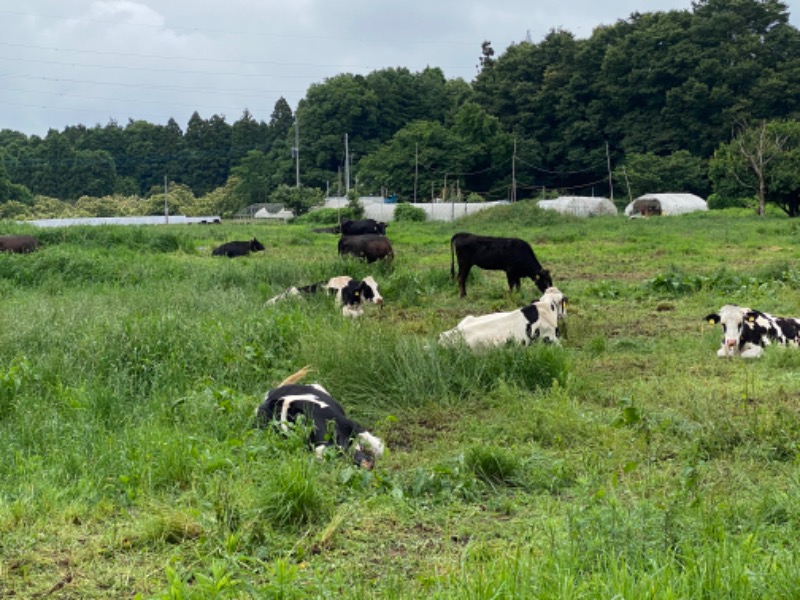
[{"x": 629, "y": 463}]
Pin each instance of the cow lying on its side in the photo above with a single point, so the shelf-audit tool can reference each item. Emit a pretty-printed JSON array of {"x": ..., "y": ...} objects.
[
  {"x": 538, "y": 320},
  {"x": 233, "y": 249},
  {"x": 350, "y": 293},
  {"x": 746, "y": 331},
  {"x": 288, "y": 401}
]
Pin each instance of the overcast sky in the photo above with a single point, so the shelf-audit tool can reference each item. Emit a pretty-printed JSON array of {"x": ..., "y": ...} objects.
[{"x": 89, "y": 61}]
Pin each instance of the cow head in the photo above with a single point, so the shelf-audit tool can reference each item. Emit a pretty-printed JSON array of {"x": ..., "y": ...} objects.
[
  {"x": 553, "y": 294},
  {"x": 734, "y": 319},
  {"x": 367, "y": 450},
  {"x": 256, "y": 246},
  {"x": 543, "y": 280}
]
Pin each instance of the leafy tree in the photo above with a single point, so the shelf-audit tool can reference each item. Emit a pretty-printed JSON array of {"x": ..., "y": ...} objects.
[
  {"x": 650, "y": 173},
  {"x": 253, "y": 179},
  {"x": 426, "y": 147},
  {"x": 761, "y": 160},
  {"x": 206, "y": 160}
]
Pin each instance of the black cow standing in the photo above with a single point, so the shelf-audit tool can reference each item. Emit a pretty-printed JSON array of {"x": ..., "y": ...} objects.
[
  {"x": 369, "y": 247},
  {"x": 19, "y": 244},
  {"x": 330, "y": 425},
  {"x": 362, "y": 227},
  {"x": 232, "y": 249},
  {"x": 512, "y": 255}
]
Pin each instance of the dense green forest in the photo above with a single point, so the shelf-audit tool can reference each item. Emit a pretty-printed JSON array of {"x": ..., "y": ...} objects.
[{"x": 705, "y": 100}]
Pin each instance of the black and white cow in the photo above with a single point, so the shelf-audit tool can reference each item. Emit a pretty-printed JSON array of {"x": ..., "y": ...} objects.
[
  {"x": 747, "y": 331},
  {"x": 350, "y": 293},
  {"x": 233, "y": 249},
  {"x": 330, "y": 425},
  {"x": 512, "y": 255},
  {"x": 538, "y": 320}
]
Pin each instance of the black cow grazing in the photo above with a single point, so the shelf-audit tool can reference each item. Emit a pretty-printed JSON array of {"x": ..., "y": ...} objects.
[
  {"x": 362, "y": 227},
  {"x": 19, "y": 244},
  {"x": 350, "y": 293},
  {"x": 747, "y": 332},
  {"x": 330, "y": 425},
  {"x": 512, "y": 255},
  {"x": 369, "y": 247},
  {"x": 232, "y": 249}
]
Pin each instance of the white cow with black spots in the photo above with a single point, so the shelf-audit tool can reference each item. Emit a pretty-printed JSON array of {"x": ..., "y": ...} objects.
[
  {"x": 747, "y": 332},
  {"x": 351, "y": 294},
  {"x": 536, "y": 321}
]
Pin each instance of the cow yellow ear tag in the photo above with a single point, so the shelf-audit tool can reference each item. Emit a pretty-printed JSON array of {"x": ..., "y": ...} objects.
[
  {"x": 711, "y": 321},
  {"x": 357, "y": 294},
  {"x": 751, "y": 319}
]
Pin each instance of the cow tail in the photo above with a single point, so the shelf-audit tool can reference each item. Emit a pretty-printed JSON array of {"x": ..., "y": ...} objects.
[
  {"x": 294, "y": 378},
  {"x": 452, "y": 260}
]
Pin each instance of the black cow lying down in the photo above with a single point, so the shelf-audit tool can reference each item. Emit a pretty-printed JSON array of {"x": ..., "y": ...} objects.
[
  {"x": 512, "y": 255},
  {"x": 350, "y": 293},
  {"x": 330, "y": 426},
  {"x": 233, "y": 249}
]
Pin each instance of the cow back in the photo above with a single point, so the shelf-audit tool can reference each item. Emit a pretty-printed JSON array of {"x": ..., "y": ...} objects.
[{"x": 19, "y": 244}]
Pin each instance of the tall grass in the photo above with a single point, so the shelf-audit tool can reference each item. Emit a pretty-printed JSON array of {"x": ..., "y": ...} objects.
[{"x": 628, "y": 462}]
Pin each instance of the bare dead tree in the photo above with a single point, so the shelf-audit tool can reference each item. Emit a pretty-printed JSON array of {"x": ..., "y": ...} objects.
[{"x": 758, "y": 148}]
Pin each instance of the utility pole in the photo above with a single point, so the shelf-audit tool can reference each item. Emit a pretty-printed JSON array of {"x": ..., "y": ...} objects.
[
  {"x": 296, "y": 151},
  {"x": 346, "y": 166},
  {"x": 610, "y": 180},
  {"x": 166, "y": 205},
  {"x": 416, "y": 169},
  {"x": 514, "y": 172}
]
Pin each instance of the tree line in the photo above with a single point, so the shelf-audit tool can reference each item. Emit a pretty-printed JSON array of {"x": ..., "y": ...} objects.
[{"x": 684, "y": 100}]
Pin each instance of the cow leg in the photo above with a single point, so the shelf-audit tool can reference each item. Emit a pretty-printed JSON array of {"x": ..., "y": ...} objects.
[
  {"x": 513, "y": 281},
  {"x": 463, "y": 273}
]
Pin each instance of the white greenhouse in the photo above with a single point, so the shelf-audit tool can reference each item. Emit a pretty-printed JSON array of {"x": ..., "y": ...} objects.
[
  {"x": 580, "y": 206},
  {"x": 665, "y": 204}
]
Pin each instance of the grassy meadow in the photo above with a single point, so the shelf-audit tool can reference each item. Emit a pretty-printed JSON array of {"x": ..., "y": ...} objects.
[{"x": 629, "y": 463}]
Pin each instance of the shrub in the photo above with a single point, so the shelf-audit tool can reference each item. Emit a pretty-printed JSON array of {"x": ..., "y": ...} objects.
[
  {"x": 407, "y": 212},
  {"x": 493, "y": 465}
]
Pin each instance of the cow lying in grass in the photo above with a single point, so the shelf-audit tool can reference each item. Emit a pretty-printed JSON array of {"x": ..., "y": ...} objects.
[
  {"x": 350, "y": 293},
  {"x": 329, "y": 424},
  {"x": 538, "y": 320},
  {"x": 234, "y": 249},
  {"x": 746, "y": 331}
]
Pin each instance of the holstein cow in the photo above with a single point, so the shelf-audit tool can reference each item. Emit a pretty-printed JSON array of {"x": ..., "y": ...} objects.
[
  {"x": 538, "y": 320},
  {"x": 362, "y": 227},
  {"x": 747, "y": 332},
  {"x": 512, "y": 255},
  {"x": 350, "y": 293},
  {"x": 233, "y": 249},
  {"x": 553, "y": 294},
  {"x": 369, "y": 247},
  {"x": 330, "y": 426},
  {"x": 19, "y": 244}
]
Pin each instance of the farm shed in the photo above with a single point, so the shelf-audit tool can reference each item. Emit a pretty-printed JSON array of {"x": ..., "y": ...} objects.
[
  {"x": 665, "y": 204},
  {"x": 268, "y": 212},
  {"x": 580, "y": 206}
]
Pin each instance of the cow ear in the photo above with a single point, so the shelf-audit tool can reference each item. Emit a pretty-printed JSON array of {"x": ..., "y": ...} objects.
[{"x": 713, "y": 318}]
